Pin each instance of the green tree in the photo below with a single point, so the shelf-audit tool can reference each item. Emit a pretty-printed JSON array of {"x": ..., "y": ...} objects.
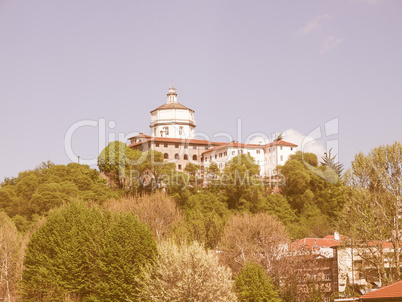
[
  {"x": 206, "y": 214},
  {"x": 253, "y": 285},
  {"x": 371, "y": 216},
  {"x": 8, "y": 199},
  {"x": 276, "y": 204},
  {"x": 214, "y": 170},
  {"x": 10, "y": 253},
  {"x": 242, "y": 184},
  {"x": 35, "y": 192},
  {"x": 115, "y": 161},
  {"x": 255, "y": 238},
  {"x": 186, "y": 273},
  {"x": 95, "y": 255},
  {"x": 157, "y": 210},
  {"x": 150, "y": 172},
  {"x": 192, "y": 170},
  {"x": 329, "y": 161},
  {"x": 279, "y": 137},
  {"x": 309, "y": 192}
]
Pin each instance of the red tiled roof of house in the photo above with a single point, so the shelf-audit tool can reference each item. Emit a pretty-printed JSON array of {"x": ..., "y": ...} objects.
[
  {"x": 377, "y": 243},
  {"x": 217, "y": 145},
  {"x": 172, "y": 106},
  {"x": 140, "y": 135},
  {"x": 234, "y": 145},
  {"x": 311, "y": 243},
  {"x": 390, "y": 291},
  {"x": 280, "y": 143},
  {"x": 214, "y": 148},
  {"x": 329, "y": 241},
  {"x": 240, "y": 145}
]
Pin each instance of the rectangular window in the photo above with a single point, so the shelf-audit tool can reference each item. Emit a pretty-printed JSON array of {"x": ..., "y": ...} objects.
[
  {"x": 281, "y": 157},
  {"x": 291, "y": 148},
  {"x": 179, "y": 167},
  {"x": 165, "y": 145},
  {"x": 156, "y": 144},
  {"x": 233, "y": 152},
  {"x": 194, "y": 147},
  {"x": 281, "y": 147},
  {"x": 206, "y": 148},
  {"x": 258, "y": 151},
  {"x": 185, "y": 146},
  {"x": 176, "y": 145},
  {"x": 327, "y": 275}
]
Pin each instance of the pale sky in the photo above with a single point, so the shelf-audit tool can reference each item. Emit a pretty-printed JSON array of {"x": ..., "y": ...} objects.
[{"x": 276, "y": 65}]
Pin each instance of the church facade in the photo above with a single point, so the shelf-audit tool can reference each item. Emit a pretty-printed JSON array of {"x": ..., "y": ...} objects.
[{"x": 172, "y": 134}]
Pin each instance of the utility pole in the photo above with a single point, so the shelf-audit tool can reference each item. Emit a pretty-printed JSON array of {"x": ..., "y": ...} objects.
[{"x": 353, "y": 276}]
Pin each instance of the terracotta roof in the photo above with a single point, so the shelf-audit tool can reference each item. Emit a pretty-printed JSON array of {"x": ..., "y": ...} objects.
[
  {"x": 240, "y": 145},
  {"x": 390, "y": 291},
  {"x": 214, "y": 148},
  {"x": 377, "y": 243},
  {"x": 311, "y": 243},
  {"x": 140, "y": 135},
  {"x": 178, "y": 140},
  {"x": 218, "y": 145},
  {"x": 171, "y": 106},
  {"x": 280, "y": 143},
  {"x": 234, "y": 145},
  {"x": 329, "y": 241}
]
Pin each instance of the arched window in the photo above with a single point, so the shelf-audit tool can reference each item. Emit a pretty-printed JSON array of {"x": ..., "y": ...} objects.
[
  {"x": 176, "y": 156},
  {"x": 194, "y": 157},
  {"x": 166, "y": 156},
  {"x": 185, "y": 157}
]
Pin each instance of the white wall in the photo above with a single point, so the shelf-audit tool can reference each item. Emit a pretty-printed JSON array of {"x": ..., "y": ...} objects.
[
  {"x": 173, "y": 119},
  {"x": 222, "y": 160},
  {"x": 276, "y": 155}
]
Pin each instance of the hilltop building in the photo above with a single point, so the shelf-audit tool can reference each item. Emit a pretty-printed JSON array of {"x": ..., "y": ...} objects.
[{"x": 172, "y": 134}]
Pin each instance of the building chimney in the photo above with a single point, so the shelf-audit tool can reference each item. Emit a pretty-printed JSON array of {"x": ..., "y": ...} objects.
[{"x": 336, "y": 236}]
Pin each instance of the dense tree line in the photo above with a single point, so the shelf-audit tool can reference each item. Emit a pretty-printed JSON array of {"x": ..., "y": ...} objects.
[
  {"x": 33, "y": 193},
  {"x": 69, "y": 234},
  {"x": 88, "y": 253}
]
